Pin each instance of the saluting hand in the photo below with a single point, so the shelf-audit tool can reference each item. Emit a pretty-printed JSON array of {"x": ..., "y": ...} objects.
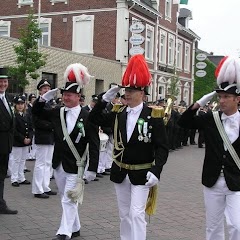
[{"x": 49, "y": 95}]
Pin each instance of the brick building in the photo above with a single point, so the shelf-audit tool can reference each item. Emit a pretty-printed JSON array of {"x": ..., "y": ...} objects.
[{"x": 113, "y": 30}]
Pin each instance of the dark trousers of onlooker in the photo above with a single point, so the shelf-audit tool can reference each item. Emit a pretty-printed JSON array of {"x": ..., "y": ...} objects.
[
  {"x": 186, "y": 133},
  {"x": 192, "y": 136},
  {"x": 200, "y": 138},
  {"x": 3, "y": 172}
]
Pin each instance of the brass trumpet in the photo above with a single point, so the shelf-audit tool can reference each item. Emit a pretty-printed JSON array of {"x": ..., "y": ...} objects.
[{"x": 168, "y": 110}]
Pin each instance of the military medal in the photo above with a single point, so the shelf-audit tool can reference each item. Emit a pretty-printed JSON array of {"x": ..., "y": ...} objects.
[
  {"x": 140, "y": 123},
  {"x": 81, "y": 128},
  {"x": 145, "y": 129}
]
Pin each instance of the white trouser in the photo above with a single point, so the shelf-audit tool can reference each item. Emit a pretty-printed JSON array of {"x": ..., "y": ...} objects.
[
  {"x": 109, "y": 153},
  {"x": 70, "y": 221},
  {"x": 42, "y": 168},
  {"x": 32, "y": 150},
  {"x": 101, "y": 163},
  {"x": 219, "y": 200},
  {"x": 18, "y": 159},
  {"x": 131, "y": 203},
  {"x": 10, "y": 162}
]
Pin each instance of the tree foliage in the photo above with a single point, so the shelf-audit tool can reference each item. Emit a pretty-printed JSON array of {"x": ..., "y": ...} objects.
[
  {"x": 207, "y": 84},
  {"x": 173, "y": 89},
  {"x": 28, "y": 59}
]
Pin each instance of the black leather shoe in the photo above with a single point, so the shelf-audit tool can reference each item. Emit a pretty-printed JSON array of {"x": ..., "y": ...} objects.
[
  {"x": 98, "y": 175},
  {"x": 26, "y": 182},
  {"x": 86, "y": 181},
  {"x": 42, "y": 195},
  {"x": 6, "y": 210},
  {"x": 75, "y": 234},
  {"x": 15, "y": 184},
  {"x": 27, "y": 170},
  {"x": 60, "y": 237},
  {"x": 105, "y": 173},
  {"x": 51, "y": 193}
]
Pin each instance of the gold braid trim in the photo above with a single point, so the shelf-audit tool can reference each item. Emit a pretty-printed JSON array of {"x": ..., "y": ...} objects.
[
  {"x": 116, "y": 107},
  {"x": 157, "y": 113},
  {"x": 118, "y": 145}
]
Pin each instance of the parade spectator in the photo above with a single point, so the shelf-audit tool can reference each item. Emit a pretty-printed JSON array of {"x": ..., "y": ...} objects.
[
  {"x": 23, "y": 134},
  {"x": 139, "y": 140},
  {"x": 221, "y": 173},
  {"x": 80, "y": 132},
  {"x": 44, "y": 139},
  {"x": 6, "y": 139}
]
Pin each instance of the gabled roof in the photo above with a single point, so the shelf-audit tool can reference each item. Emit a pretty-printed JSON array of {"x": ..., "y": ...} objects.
[{"x": 144, "y": 6}]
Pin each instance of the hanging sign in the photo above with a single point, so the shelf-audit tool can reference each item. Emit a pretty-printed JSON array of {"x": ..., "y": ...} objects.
[
  {"x": 136, "y": 50},
  {"x": 201, "y": 65},
  {"x": 201, "y": 57},
  {"x": 137, "y": 27},
  {"x": 136, "y": 39},
  {"x": 201, "y": 73}
]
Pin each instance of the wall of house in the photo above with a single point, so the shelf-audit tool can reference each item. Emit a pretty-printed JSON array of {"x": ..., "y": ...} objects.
[{"x": 57, "y": 61}]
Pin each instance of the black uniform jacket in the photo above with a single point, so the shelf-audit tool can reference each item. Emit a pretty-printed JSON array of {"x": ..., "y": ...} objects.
[
  {"x": 135, "y": 151},
  {"x": 6, "y": 129},
  {"x": 23, "y": 129},
  {"x": 216, "y": 158},
  {"x": 43, "y": 128},
  {"x": 62, "y": 152}
]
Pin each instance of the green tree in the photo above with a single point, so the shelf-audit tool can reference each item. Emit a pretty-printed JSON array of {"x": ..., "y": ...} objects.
[
  {"x": 28, "y": 59},
  {"x": 173, "y": 90},
  {"x": 207, "y": 84}
]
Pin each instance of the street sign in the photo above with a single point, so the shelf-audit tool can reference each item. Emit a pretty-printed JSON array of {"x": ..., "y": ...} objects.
[
  {"x": 137, "y": 27},
  {"x": 201, "y": 73},
  {"x": 136, "y": 39},
  {"x": 201, "y": 65},
  {"x": 201, "y": 57},
  {"x": 136, "y": 50}
]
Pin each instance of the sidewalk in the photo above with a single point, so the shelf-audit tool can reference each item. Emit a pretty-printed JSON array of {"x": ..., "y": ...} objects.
[{"x": 180, "y": 212}]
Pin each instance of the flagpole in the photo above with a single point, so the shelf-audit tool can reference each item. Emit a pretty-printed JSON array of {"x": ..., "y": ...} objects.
[{"x": 39, "y": 24}]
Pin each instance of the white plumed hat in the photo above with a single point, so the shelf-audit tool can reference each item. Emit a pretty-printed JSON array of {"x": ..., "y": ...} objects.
[
  {"x": 228, "y": 75},
  {"x": 76, "y": 77}
]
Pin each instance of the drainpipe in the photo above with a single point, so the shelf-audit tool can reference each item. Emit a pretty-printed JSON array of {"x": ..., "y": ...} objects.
[{"x": 193, "y": 69}]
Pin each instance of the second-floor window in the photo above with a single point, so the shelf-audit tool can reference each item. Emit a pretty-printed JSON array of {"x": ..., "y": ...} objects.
[
  {"x": 83, "y": 28},
  {"x": 162, "y": 47},
  {"x": 149, "y": 42},
  {"x": 25, "y": 2},
  {"x": 168, "y": 9},
  {"x": 171, "y": 48},
  {"x": 187, "y": 57},
  {"x": 45, "y": 26},
  {"x": 179, "y": 54},
  {"x": 5, "y": 28}
]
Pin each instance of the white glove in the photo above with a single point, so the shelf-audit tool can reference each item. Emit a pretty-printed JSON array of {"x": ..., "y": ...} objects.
[
  {"x": 110, "y": 94},
  {"x": 49, "y": 95},
  {"x": 90, "y": 176},
  {"x": 205, "y": 99},
  {"x": 152, "y": 180}
]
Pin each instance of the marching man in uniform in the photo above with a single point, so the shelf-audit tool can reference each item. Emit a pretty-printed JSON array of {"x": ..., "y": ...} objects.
[
  {"x": 140, "y": 147},
  {"x": 72, "y": 134},
  {"x": 221, "y": 168}
]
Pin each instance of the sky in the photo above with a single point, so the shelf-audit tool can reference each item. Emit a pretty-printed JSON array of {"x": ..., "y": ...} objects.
[{"x": 217, "y": 23}]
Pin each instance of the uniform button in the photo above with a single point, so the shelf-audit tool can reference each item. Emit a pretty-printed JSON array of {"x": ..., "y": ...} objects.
[
  {"x": 222, "y": 166},
  {"x": 224, "y": 156}
]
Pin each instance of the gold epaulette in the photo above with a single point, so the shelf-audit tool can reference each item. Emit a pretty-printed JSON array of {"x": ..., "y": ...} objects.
[
  {"x": 117, "y": 107},
  {"x": 157, "y": 112}
]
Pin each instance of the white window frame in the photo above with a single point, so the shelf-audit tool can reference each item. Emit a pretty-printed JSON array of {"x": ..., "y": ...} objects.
[
  {"x": 5, "y": 24},
  {"x": 79, "y": 19},
  {"x": 171, "y": 49},
  {"x": 168, "y": 9},
  {"x": 163, "y": 47},
  {"x": 149, "y": 42},
  {"x": 179, "y": 54},
  {"x": 186, "y": 91},
  {"x": 49, "y": 22},
  {"x": 58, "y": 1},
  {"x": 187, "y": 54},
  {"x": 25, "y": 2}
]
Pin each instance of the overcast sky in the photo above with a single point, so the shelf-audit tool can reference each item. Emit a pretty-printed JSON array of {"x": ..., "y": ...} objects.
[{"x": 217, "y": 23}]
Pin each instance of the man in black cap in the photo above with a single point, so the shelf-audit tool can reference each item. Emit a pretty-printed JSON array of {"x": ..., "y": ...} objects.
[
  {"x": 221, "y": 168},
  {"x": 91, "y": 105},
  {"x": 44, "y": 140},
  {"x": 6, "y": 138},
  {"x": 70, "y": 121}
]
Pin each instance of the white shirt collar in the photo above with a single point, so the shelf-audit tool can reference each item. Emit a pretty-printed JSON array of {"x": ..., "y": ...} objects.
[
  {"x": 135, "y": 109},
  {"x": 73, "y": 109},
  {"x": 234, "y": 116}
]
